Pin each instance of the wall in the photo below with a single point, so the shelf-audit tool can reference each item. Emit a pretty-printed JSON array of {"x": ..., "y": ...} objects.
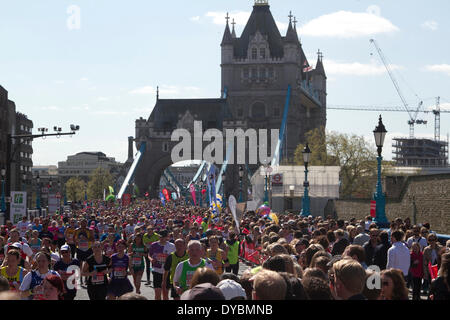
[{"x": 429, "y": 194}]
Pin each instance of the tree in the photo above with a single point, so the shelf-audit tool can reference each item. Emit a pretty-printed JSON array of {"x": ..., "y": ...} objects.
[
  {"x": 75, "y": 189},
  {"x": 100, "y": 179},
  {"x": 352, "y": 153}
]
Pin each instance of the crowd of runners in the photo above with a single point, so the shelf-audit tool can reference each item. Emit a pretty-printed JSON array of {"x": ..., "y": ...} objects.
[{"x": 190, "y": 253}]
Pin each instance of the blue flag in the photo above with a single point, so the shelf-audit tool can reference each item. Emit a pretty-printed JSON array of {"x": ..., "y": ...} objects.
[{"x": 162, "y": 199}]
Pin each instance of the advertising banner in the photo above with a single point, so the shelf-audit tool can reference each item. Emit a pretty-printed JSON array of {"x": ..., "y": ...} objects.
[{"x": 18, "y": 205}]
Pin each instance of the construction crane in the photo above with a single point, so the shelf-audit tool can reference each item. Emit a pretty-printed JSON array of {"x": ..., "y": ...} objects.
[
  {"x": 413, "y": 118},
  {"x": 437, "y": 120}
]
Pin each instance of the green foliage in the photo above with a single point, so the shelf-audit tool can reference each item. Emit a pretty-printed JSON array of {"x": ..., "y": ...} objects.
[
  {"x": 352, "y": 153},
  {"x": 100, "y": 179},
  {"x": 75, "y": 189}
]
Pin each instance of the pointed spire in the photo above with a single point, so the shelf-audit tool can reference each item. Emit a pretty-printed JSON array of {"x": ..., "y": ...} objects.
[
  {"x": 233, "y": 32},
  {"x": 157, "y": 93},
  {"x": 227, "y": 38},
  {"x": 291, "y": 34},
  {"x": 320, "y": 70}
]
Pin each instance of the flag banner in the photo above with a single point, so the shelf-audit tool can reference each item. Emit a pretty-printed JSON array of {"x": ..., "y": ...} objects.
[
  {"x": 126, "y": 199},
  {"x": 166, "y": 194},
  {"x": 161, "y": 196},
  {"x": 307, "y": 69},
  {"x": 192, "y": 189},
  {"x": 232, "y": 205},
  {"x": 240, "y": 209}
]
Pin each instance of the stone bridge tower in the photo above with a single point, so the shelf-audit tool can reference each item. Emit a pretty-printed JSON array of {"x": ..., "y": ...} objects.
[{"x": 256, "y": 70}]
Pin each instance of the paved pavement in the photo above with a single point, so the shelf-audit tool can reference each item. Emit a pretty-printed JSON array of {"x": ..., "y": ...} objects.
[{"x": 146, "y": 290}]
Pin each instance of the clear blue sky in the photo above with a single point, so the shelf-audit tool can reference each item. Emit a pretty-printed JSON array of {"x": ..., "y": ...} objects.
[{"x": 103, "y": 75}]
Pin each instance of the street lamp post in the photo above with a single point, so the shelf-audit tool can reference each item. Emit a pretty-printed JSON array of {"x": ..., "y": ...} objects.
[
  {"x": 2, "y": 200},
  {"x": 305, "y": 202},
  {"x": 59, "y": 196},
  {"x": 24, "y": 188},
  {"x": 38, "y": 195},
  {"x": 380, "y": 198},
  {"x": 10, "y": 151},
  {"x": 224, "y": 200},
  {"x": 241, "y": 175}
]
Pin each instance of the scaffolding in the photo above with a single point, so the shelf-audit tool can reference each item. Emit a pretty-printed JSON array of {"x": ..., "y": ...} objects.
[{"x": 420, "y": 152}]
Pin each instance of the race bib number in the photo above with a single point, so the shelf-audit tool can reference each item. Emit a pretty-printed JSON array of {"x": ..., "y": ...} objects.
[
  {"x": 189, "y": 275},
  {"x": 136, "y": 261},
  {"x": 83, "y": 245},
  {"x": 120, "y": 272},
  {"x": 99, "y": 278},
  {"x": 39, "y": 293},
  {"x": 161, "y": 258}
]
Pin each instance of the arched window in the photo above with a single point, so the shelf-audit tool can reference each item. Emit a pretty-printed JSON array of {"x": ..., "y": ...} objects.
[
  {"x": 258, "y": 110},
  {"x": 254, "y": 53},
  {"x": 262, "y": 53}
]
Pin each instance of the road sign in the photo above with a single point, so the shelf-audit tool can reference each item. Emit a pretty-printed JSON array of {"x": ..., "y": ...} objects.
[
  {"x": 373, "y": 208},
  {"x": 277, "y": 179}
]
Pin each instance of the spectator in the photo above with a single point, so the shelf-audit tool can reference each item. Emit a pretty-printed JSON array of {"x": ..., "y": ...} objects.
[
  {"x": 310, "y": 251},
  {"x": 370, "y": 246},
  {"x": 315, "y": 272},
  {"x": 416, "y": 269},
  {"x": 280, "y": 263},
  {"x": 348, "y": 278},
  {"x": 232, "y": 290},
  {"x": 417, "y": 238},
  {"x": 357, "y": 253},
  {"x": 204, "y": 275},
  {"x": 4, "y": 284},
  {"x": 203, "y": 291},
  {"x": 398, "y": 254},
  {"x": 393, "y": 286},
  {"x": 341, "y": 243},
  {"x": 440, "y": 287},
  {"x": 317, "y": 288},
  {"x": 381, "y": 250},
  {"x": 53, "y": 288},
  {"x": 430, "y": 256},
  {"x": 371, "y": 291},
  {"x": 362, "y": 237},
  {"x": 269, "y": 285},
  {"x": 294, "y": 287}
]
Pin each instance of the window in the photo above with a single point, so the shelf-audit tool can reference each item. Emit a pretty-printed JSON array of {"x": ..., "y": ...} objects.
[
  {"x": 254, "y": 53},
  {"x": 246, "y": 73},
  {"x": 271, "y": 72},
  {"x": 254, "y": 74},
  {"x": 258, "y": 110},
  {"x": 262, "y": 53},
  {"x": 263, "y": 73},
  {"x": 165, "y": 147},
  {"x": 276, "y": 112}
]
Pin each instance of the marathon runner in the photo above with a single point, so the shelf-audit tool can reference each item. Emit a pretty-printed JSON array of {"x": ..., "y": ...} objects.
[
  {"x": 120, "y": 265},
  {"x": 172, "y": 261},
  {"x": 186, "y": 269},
  {"x": 12, "y": 271},
  {"x": 96, "y": 268},
  {"x": 137, "y": 252},
  {"x": 158, "y": 253},
  {"x": 31, "y": 286},
  {"x": 62, "y": 267}
]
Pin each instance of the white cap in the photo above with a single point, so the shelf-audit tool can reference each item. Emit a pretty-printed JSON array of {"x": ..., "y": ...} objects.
[
  {"x": 65, "y": 248},
  {"x": 17, "y": 245},
  {"x": 231, "y": 289}
]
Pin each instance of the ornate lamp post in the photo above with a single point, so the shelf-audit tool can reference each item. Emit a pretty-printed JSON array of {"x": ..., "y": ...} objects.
[
  {"x": 2, "y": 200},
  {"x": 38, "y": 194},
  {"x": 380, "y": 198},
  {"x": 224, "y": 199},
  {"x": 305, "y": 202},
  {"x": 241, "y": 175}
]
